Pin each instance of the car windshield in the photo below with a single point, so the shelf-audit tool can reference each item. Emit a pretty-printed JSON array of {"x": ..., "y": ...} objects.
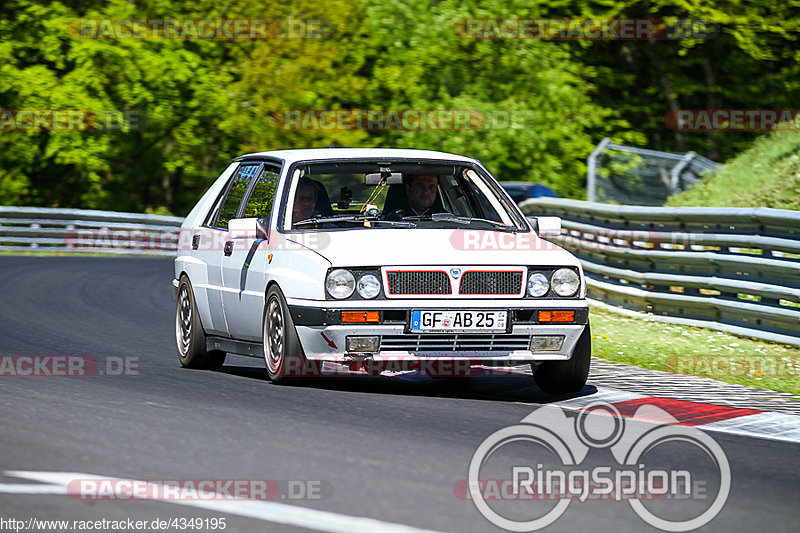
[{"x": 397, "y": 194}]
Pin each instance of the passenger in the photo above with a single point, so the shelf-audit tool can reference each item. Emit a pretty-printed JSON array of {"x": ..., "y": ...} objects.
[{"x": 305, "y": 200}]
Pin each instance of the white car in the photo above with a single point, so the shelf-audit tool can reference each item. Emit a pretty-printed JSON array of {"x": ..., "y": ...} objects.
[{"x": 375, "y": 259}]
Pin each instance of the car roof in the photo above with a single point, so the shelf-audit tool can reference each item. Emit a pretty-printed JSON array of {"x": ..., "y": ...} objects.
[{"x": 322, "y": 154}]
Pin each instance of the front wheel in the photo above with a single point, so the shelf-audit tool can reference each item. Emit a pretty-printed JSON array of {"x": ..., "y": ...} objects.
[
  {"x": 283, "y": 354},
  {"x": 189, "y": 334},
  {"x": 560, "y": 377}
]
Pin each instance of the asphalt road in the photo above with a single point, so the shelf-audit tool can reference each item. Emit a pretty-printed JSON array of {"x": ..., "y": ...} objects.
[{"x": 388, "y": 449}]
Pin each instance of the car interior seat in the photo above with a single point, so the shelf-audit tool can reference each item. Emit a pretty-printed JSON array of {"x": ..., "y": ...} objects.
[{"x": 323, "y": 203}]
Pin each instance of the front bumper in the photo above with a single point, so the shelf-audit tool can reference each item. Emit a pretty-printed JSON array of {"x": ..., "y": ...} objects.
[{"x": 323, "y": 336}]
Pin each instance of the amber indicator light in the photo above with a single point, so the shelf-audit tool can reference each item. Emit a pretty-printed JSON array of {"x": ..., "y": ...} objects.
[
  {"x": 352, "y": 317},
  {"x": 556, "y": 316}
]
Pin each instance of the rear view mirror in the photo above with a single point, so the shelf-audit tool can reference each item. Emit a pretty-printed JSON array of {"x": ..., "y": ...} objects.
[{"x": 373, "y": 179}]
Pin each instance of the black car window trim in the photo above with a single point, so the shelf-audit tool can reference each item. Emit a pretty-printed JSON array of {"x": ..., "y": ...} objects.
[
  {"x": 228, "y": 188},
  {"x": 377, "y": 160},
  {"x": 213, "y": 213},
  {"x": 510, "y": 207},
  {"x": 266, "y": 166}
]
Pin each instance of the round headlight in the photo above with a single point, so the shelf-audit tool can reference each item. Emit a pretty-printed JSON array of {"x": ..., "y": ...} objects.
[
  {"x": 565, "y": 282},
  {"x": 368, "y": 286},
  {"x": 340, "y": 283},
  {"x": 538, "y": 285}
]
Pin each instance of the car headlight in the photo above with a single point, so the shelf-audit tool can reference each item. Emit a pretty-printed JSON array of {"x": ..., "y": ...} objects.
[
  {"x": 368, "y": 286},
  {"x": 340, "y": 283},
  {"x": 538, "y": 284},
  {"x": 565, "y": 282}
]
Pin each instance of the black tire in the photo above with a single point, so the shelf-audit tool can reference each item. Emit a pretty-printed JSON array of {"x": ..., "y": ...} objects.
[
  {"x": 283, "y": 354},
  {"x": 189, "y": 335},
  {"x": 561, "y": 377}
]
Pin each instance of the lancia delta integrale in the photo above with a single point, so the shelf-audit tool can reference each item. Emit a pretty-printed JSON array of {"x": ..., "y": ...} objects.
[{"x": 370, "y": 258}]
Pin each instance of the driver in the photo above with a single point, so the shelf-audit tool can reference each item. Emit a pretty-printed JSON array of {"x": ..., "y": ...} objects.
[{"x": 421, "y": 190}]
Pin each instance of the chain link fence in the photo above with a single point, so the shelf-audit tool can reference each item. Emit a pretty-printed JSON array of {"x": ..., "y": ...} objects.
[{"x": 626, "y": 175}]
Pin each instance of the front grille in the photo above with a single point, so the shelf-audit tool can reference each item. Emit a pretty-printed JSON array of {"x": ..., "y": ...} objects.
[
  {"x": 418, "y": 282},
  {"x": 490, "y": 282},
  {"x": 455, "y": 343}
]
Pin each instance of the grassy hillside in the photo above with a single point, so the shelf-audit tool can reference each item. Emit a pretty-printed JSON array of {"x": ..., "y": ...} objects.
[{"x": 765, "y": 175}]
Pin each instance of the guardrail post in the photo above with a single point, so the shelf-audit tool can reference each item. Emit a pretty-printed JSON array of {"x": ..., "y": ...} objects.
[
  {"x": 591, "y": 169},
  {"x": 677, "y": 169}
]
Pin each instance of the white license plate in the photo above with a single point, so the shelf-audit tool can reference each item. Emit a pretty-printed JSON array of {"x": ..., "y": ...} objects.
[{"x": 441, "y": 321}]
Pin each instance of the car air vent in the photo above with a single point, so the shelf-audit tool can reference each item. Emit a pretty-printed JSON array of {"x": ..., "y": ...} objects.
[
  {"x": 418, "y": 282},
  {"x": 490, "y": 282}
]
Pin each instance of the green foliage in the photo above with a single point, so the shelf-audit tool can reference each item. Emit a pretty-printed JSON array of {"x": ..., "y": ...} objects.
[
  {"x": 538, "y": 107},
  {"x": 766, "y": 175},
  {"x": 171, "y": 90}
]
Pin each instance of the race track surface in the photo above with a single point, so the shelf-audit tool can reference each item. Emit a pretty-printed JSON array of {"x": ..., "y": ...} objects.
[{"x": 386, "y": 449}]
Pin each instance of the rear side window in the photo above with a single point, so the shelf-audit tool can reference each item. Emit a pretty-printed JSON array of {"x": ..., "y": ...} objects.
[
  {"x": 236, "y": 191},
  {"x": 262, "y": 197}
]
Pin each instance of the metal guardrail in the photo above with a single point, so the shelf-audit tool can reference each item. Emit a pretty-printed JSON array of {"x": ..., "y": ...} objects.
[
  {"x": 33, "y": 229},
  {"x": 731, "y": 269}
]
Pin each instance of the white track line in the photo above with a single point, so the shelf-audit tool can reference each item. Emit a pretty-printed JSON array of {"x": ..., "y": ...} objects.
[
  {"x": 268, "y": 511},
  {"x": 767, "y": 425}
]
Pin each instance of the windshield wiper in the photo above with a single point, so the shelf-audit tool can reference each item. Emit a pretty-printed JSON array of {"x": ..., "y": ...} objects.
[
  {"x": 450, "y": 217},
  {"x": 354, "y": 218}
]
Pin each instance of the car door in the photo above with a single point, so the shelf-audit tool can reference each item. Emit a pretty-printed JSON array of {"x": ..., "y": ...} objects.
[
  {"x": 245, "y": 259},
  {"x": 211, "y": 241}
]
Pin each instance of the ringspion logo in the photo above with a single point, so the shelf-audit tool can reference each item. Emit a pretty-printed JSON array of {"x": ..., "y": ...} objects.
[{"x": 524, "y": 477}]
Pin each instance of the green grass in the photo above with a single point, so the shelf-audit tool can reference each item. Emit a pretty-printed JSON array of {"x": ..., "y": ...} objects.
[
  {"x": 765, "y": 175},
  {"x": 695, "y": 351}
]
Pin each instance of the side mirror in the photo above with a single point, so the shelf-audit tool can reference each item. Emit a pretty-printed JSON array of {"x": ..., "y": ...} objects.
[
  {"x": 543, "y": 225},
  {"x": 248, "y": 227},
  {"x": 262, "y": 228}
]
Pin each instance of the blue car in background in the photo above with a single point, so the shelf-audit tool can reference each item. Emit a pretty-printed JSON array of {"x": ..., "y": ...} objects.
[{"x": 520, "y": 191}]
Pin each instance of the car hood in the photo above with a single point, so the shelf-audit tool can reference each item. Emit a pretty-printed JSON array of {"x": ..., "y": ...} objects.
[{"x": 398, "y": 247}]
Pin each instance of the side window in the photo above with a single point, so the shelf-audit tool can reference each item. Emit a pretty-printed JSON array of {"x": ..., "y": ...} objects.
[
  {"x": 212, "y": 214},
  {"x": 238, "y": 186},
  {"x": 259, "y": 204},
  {"x": 489, "y": 211}
]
